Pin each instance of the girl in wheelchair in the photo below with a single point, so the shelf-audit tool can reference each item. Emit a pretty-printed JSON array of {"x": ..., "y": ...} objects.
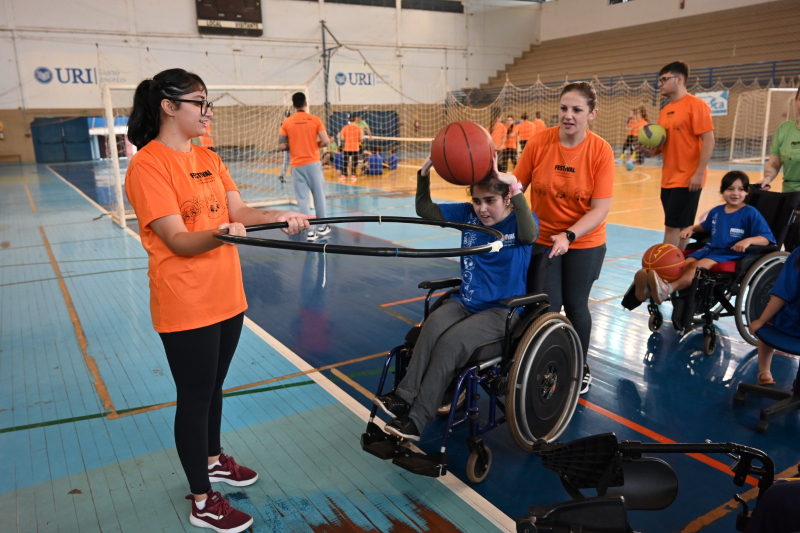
[
  {"x": 474, "y": 318},
  {"x": 733, "y": 227},
  {"x": 782, "y": 313}
]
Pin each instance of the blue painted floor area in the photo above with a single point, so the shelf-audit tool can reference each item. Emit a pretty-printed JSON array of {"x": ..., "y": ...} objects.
[{"x": 59, "y": 438}]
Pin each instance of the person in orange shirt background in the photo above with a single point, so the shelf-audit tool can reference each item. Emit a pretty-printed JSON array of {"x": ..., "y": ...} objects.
[
  {"x": 499, "y": 131},
  {"x": 686, "y": 152},
  {"x": 182, "y": 194},
  {"x": 509, "y": 151},
  {"x": 350, "y": 138},
  {"x": 630, "y": 138},
  {"x": 303, "y": 135},
  {"x": 640, "y": 123},
  {"x": 207, "y": 139},
  {"x": 570, "y": 173},
  {"x": 538, "y": 124},
  {"x": 524, "y": 130}
]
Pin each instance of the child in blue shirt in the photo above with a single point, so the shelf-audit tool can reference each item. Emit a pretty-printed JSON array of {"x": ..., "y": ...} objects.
[
  {"x": 474, "y": 318},
  {"x": 375, "y": 163},
  {"x": 782, "y": 312},
  {"x": 733, "y": 227},
  {"x": 391, "y": 161}
]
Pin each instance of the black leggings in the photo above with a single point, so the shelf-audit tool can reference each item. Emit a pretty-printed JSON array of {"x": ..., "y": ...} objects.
[
  {"x": 568, "y": 281},
  {"x": 199, "y": 361},
  {"x": 506, "y": 155}
]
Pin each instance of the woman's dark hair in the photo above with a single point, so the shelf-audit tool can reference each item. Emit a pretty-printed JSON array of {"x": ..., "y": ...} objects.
[
  {"x": 489, "y": 183},
  {"x": 732, "y": 176},
  {"x": 643, "y": 113},
  {"x": 145, "y": 120},
  {"x": 586, "y": 89}
]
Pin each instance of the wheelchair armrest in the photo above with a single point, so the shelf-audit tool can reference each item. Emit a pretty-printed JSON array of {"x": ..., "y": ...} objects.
[
  {"x": 440, "y": 283},
  {"x": 761, "y": 250},
  {"x": 525, "y": 299}
]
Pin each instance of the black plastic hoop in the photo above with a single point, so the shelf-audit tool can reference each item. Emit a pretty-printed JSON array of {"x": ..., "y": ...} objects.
[{"x": 360, "y": 250}]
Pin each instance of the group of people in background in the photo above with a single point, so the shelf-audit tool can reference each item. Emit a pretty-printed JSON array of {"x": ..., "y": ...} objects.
[{"x": 183, "y": 194}]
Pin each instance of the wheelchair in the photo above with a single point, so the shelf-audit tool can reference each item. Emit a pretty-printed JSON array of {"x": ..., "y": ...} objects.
[
  {"x": 732, "y": 288},
  {"x": 533, "y": 385},
  {"x": 625, "y": 479}
]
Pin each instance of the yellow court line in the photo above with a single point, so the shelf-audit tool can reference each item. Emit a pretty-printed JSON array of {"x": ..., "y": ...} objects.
[
  {"x": 91, "y": 364},
  {"x": 30, "y": 198},
  {"x": 731, "y": 505},
  {"x": 344, "y": 377}
]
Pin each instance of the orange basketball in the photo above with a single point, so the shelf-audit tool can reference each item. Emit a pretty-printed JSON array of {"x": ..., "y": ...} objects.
[
  {"x": 666, "y": 260},
  {"x": 462, "y": 153}
]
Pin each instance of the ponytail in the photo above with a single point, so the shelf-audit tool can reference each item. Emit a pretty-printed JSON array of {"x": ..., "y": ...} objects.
[{"x": 144, "y": 122}]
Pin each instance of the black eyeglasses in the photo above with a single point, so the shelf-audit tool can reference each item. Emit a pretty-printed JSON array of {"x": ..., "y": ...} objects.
[
  {"x": 664, "y": 79},
  {"x": 205, "y": 105}
]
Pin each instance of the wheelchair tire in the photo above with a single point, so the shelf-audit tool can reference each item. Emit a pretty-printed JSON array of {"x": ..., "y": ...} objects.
[
  {"x": 655, "y": 322},
  {"x": 754, "y": 292},
  {"x": 544, "y": 381},
  {"x": 478, "y": 467}
]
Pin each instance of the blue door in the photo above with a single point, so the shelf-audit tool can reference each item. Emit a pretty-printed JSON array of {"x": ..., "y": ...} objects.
[{"x": 61, "y": 140}]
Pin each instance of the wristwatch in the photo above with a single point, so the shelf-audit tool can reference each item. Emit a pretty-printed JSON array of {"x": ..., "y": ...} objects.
[
  {"x": 570, "y": 235},
  {"x": 514, "y": 187}
]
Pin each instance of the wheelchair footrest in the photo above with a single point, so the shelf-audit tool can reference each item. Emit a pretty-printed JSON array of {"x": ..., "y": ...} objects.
[
  {"x": 379, "y": 444},
  {"x": 592, "y": 515},
  {"x": 424, "y": 465}
]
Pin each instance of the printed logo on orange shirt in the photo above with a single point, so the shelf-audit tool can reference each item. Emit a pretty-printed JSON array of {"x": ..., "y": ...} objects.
[
  {"x": 565, "y": 168},
  {"x": 198, "y": 175}
]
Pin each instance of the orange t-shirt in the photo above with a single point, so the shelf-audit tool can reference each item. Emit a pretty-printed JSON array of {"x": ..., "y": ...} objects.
[
  {"x": 563, "y": 185},
  {"x": 206, "y": 140},
  {"x": 498, "y": 132},
  {"x": 511, "y": 139},
  {"x": 684, "y": 120},
  {"x": 538, "y": 125},
  {"x": 186, "y": 292},
  {"x": 352, "y": 137},
  {"x": 639, "y": 125},
  {"x": 525, "y": 130},
  {"x": 302, "y": 129}
]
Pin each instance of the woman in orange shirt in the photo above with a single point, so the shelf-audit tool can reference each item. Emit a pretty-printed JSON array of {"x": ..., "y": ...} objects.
[
  {"x": 570, "y": 171},
  {"x": 182, "y": 195}
]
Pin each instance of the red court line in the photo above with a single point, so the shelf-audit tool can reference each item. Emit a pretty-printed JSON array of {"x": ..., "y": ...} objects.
[{"x": 713, "y": 463}]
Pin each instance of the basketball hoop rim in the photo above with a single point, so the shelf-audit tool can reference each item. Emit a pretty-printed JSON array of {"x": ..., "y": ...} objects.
[{"x": 363, "y": 250}]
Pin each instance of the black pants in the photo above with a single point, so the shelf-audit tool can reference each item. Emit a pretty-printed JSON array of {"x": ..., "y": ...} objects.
[
  {"x": 350, "y": 163},
  {"x": 630, "y": 142},
  {"x": 199, "y": 361},
  {"x": 506, "y": 155},
  {"x": 568, "y": 280}
]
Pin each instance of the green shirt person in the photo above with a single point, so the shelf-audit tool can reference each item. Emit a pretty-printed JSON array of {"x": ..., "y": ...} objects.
[{"x": 785, "y": 151}]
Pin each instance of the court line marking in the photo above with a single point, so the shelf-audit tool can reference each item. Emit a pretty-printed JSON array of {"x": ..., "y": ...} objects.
[
  {"x": 418, "y": 298},
  {"x": 647, "y": 177},
  {"x": 731, "y": 505},
  {"x": 344, "y": 377},
  {"x": 660, "y": 438},
  {"x": 30, "y": 198},
  {"x": 91, "y": 363},
  {"x": 475, "y": 500}
]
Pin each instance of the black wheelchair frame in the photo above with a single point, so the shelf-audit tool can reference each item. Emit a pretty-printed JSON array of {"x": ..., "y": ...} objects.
[
  {"x": 625, "y": 479},
  {"x": 546, "y": 375}
]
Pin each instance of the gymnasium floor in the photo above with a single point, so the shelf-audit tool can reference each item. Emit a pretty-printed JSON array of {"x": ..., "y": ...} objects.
[{"x": 85, "y": 392}]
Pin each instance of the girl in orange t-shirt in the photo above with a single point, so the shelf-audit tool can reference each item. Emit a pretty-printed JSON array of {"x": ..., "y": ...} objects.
[
  {"x": 182, "y": 195},
  {"x": 509, "y": 151},
  {"x": 570, "y": 171}
]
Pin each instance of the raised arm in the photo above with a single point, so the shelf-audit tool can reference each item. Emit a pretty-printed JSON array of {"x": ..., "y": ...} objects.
[{"x": 426, "y": 208}]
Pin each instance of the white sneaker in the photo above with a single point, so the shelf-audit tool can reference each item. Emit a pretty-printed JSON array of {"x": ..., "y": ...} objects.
[
  {"x": 323, "y": 230},
  {"x": 312, "y": 236}
]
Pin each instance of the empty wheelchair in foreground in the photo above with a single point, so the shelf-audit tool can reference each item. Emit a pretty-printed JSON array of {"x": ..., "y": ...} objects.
[
  {"x": 732, "y": 288},
  {"x": 533, "y": 386},
  {"x": 625, "y": 479}
]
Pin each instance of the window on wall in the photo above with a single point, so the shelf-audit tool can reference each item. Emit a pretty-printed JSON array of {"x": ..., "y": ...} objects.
[{"x": 612, "y": 2}]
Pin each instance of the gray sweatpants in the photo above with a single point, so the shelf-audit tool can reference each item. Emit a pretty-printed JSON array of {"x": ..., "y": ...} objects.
[
  {"x": 309, "y": 178},
  {"x": 568, "y": 281},
  {"x": 448, "y": 337}
]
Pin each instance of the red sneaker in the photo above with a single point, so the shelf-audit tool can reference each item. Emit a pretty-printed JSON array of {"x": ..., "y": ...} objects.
[
  {"x": 218, "y": 515},
  {"x": 231, "y": 473}
]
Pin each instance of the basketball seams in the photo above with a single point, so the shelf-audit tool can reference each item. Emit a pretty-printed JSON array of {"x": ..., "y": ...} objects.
[{"x": 469, "y": 150}]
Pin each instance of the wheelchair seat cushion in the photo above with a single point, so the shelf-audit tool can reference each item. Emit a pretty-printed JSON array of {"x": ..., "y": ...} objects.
[{"x": 727, "y": 267}]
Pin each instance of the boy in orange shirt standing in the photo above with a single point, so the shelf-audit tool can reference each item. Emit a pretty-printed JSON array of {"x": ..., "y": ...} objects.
[
  {"x": 303, "y": 135},
  {"x": 538, "y": 124},
  {"x": 686, "y": 152},
  {"x": 350, "y": 137}
]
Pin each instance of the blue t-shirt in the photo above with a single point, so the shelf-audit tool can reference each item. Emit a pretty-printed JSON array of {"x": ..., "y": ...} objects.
[
  {"x": 787, "y": 288},
  {"x": 338, "y": 161},
  {"x": 727, "y": 229},
  {"x": 490, "y": 277},
  {"x": 392, "y": 162},
  {"x": 375, "y": 164}
]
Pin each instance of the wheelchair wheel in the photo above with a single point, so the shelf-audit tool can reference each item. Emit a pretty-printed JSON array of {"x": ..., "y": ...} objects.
[
  {"x": 479, "y": 464},
  {"x": 655, "y": 321},
  {"x": 754, "y": 292},
  {"x": 544, "y": 381}
]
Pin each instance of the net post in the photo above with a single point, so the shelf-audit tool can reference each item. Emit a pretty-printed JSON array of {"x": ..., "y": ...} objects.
[
  {"x": 766, "y": 126},
  {"x": 113, "y": 153}
]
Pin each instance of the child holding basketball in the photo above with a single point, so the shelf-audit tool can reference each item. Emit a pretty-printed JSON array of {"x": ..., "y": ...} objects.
[
  {"x": 782, "y": 313},
  {"x": 474, "y": 318},
  {"x": 733, "y": 227}
]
